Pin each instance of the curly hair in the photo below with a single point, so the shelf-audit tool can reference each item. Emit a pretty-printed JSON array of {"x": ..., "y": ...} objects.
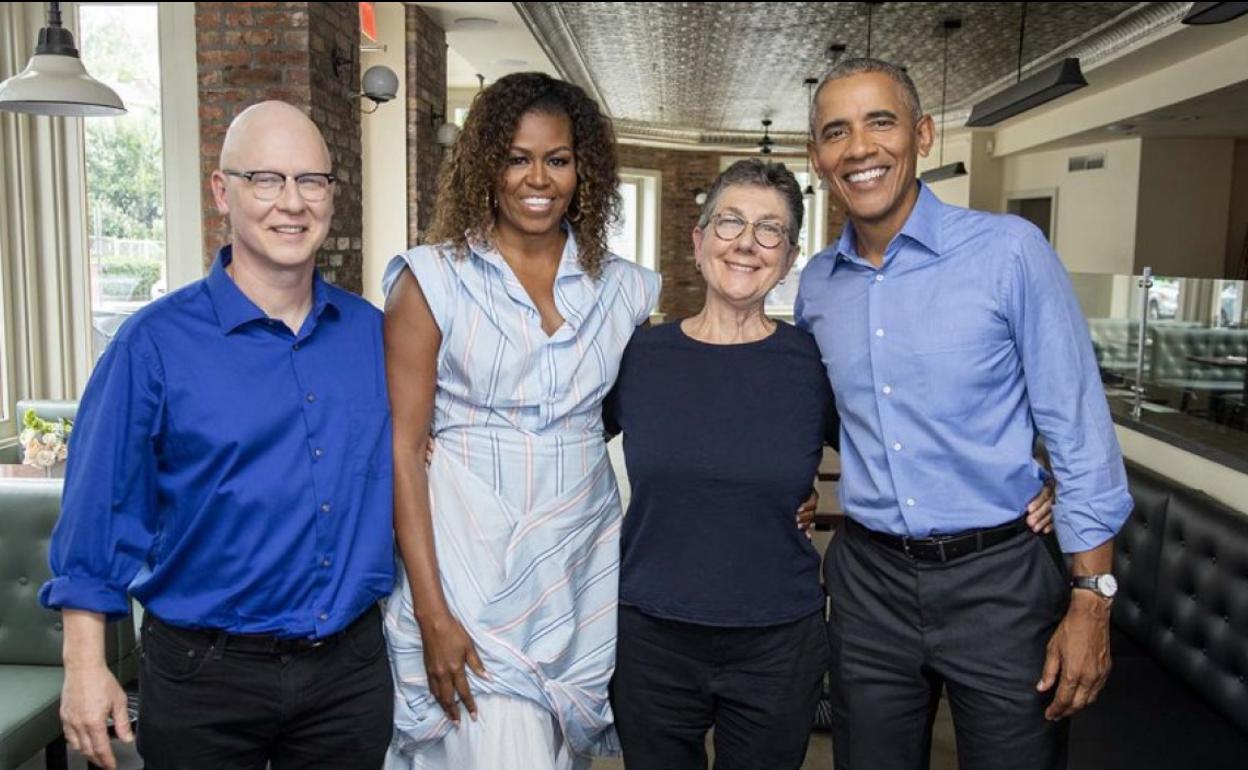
[{"x": 472, "y": 174}]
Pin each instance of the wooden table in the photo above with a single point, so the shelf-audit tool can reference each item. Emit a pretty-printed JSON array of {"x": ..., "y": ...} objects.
[{"x": 1224, "y": 362}]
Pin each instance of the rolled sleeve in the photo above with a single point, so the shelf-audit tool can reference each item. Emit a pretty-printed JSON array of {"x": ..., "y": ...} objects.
[
  {"x": 107, "y": 525},
  {"x": 1066, "y": 397}
]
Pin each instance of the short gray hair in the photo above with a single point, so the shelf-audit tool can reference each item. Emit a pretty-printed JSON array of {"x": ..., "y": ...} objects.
[
  {"x": 861, "y": 65},
  {"x": 753, "y": 172}
]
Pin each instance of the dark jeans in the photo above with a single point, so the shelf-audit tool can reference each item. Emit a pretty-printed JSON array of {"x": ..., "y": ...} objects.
[
  {"x": 207, "y": 707},
  {"x": 758, "y": 687},
  {"x": 977, "y": 626}
]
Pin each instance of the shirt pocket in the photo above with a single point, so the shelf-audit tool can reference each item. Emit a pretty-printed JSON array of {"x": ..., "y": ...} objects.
[
  {"x": 371, "y": 440},
  {"x": 959, "y": 381}
]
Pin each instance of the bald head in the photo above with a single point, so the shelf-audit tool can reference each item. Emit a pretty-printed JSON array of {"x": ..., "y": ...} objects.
[{"x": 266, "y": 132}]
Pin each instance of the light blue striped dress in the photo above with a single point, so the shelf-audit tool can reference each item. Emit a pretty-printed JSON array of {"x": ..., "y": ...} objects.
[{"x": 525, "y": 507}]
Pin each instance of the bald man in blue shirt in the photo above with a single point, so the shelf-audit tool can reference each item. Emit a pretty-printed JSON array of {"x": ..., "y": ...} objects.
[
  {"x": 951, "y": 338},
  {"x": 231, "y": 471}
]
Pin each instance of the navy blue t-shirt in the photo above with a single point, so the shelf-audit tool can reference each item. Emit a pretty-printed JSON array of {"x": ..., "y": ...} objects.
[{"x": 722, "y": 443}]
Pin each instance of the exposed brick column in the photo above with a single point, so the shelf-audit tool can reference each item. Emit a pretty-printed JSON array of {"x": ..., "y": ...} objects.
[
  {"x": 250, "y": 52},
  {"x": 426, "y": 94}
]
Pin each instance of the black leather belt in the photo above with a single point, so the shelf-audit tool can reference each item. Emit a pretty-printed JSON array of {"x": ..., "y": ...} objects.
[
  {"x": 944, "y": 548},
  {"x": 205, "y": 638}
]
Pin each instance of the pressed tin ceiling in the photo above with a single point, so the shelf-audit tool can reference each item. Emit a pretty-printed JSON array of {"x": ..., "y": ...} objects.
[{"x": 707, "y": 73}]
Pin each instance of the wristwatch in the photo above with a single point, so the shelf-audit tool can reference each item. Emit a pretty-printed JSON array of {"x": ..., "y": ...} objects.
[{"x": 1104, "y": 586}]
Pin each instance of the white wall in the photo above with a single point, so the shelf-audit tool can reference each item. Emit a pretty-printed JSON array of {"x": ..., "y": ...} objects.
[
  {"x": 384, "y": 150},
  {"x": 1096, "y": 210},
  {"x": 1184, "y": 206}
]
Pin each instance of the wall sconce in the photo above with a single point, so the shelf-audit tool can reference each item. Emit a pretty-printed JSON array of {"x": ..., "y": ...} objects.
[
  {"x": 699, "y": 196},
  {"x": 446, "y": 133},
  {"x": 55, "y": 82},
  {"x": 380, "y": 86}
]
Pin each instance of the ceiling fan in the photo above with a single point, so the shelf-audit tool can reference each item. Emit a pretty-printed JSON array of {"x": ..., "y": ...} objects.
[{"x": 764, "y": 144}]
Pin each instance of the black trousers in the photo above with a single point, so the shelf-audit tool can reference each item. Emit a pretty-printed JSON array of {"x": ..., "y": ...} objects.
[
  {"x": 757, "y": 687},
  {"x": 977, "y": 627},
  {"x": 207, "y": 707}
]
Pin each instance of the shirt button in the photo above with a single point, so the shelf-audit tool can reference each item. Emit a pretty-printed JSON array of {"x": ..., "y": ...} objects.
[
  {"x": 295, "y": 346},
  {"x": 325, "y": 562},
  {"x": 324, "y": 616},
  {"x": 325, "y": 507},
  {"x": 878, "y": 277},
  {"x": 311, "y": 397},
  {"x": 910, "y": 501},
  {"x": 887, "y": 389},
  {"x": 879, "y": 332},
  {"x": 897, "y": 447},
  {"x": 318, "y": 452}
]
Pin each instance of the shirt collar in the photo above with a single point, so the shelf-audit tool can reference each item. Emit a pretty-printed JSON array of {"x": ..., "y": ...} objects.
[
  {"x": 235, "y": 309},
  {"x": 569, "y": 260},
  {"x": 922, "y": 227}
]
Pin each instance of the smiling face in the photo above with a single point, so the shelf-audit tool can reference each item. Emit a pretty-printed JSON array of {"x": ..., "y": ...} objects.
[
  {"x": 284, "y": 233},
  {"x": 739, "y": 271},
  {"x": 539, "y": 178},
  {"x": 866, "y": 145}
]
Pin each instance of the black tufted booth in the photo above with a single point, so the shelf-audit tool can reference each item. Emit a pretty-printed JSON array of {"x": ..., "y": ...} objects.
[{"x": 1178, "y": 694}]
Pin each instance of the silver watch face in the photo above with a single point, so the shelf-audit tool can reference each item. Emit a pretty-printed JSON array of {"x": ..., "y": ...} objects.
[{"x": 1106, "y": 585}]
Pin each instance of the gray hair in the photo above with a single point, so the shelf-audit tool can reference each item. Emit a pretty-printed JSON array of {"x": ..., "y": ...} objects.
[
  {"x": 753, "y": 172},
  {"x": 861, "y": 65}
]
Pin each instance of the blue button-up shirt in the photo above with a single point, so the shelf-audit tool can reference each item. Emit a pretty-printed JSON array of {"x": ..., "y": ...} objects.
[
  {"x": 945, "y": 361},
  {"x": 229, "y": 473}
]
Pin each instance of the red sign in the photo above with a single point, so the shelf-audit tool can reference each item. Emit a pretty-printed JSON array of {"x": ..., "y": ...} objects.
[{"x": 368, "y": 21}]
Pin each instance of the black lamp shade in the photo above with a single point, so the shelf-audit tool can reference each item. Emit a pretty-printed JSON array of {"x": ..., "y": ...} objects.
[
  {"x": 1044, "y": 86},
  {"x": 941, "y": 173},
  {"x": 1214, "y": 13}
]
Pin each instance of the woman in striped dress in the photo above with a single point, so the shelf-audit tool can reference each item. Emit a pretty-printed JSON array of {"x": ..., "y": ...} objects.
[{"x": 501, "y": 342}]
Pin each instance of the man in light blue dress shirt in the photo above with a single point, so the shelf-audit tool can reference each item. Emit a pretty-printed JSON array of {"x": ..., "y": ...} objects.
[{"x": 952, "y": 338}]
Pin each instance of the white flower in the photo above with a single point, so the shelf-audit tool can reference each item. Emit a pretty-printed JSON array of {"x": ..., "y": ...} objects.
[
  {"x": 62, "y": 453},
  {"x": 51, "y": 440},
  {"x": 46, "y": 458},
  {"x": 27, "y": 436}
]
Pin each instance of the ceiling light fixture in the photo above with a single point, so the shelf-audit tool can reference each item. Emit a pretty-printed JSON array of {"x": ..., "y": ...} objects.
[
  {"x": 1044, "y": 86},
  {"x": 809, "y": 192},
  {"x": 766, "y": 142},
  {"x": 55, "y": 82},
  {"x": 1214, "y": 13},
  {"x": 943, "y": 172}
]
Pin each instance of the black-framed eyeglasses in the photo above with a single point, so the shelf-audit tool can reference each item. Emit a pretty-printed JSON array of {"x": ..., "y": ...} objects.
[
  {"x": 268, "y": 185},
  {"x": 768, "y": 233}
]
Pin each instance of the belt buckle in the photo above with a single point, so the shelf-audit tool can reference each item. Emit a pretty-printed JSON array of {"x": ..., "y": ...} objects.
[
  {"x": 312, "y": 644},
  {"x": 905, "y": 547}
]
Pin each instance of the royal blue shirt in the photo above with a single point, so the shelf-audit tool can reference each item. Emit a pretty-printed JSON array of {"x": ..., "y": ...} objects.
[
  {"x": 946, "y": 361},
  {"x": 229, "y": 473}
]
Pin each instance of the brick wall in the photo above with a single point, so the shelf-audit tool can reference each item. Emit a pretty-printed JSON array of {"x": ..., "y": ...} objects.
[
  {"x": 426, "y": 94},
  {"x": 683, "y": 173},
  {"x": 250, "y": 52}
]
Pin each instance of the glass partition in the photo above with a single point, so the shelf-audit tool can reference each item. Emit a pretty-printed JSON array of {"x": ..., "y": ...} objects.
[{"x": 1173, "y": 355}]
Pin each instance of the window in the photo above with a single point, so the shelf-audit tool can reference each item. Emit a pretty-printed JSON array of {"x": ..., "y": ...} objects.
[
  {"x": 810, "y": 241},
  {"x": 6, "y": 345},
  {"x": 636, "y": 236},
  {"x": 125, "y": 174}
]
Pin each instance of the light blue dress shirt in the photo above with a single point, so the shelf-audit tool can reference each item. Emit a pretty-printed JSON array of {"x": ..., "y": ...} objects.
[{"x": 946, "y": 361}]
